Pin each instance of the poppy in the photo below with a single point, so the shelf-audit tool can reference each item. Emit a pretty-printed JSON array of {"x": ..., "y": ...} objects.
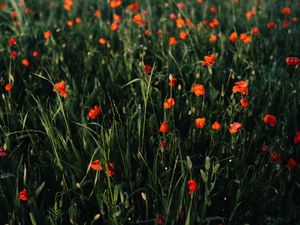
[
  {"x": 94, "y": 112},
  {"x": 164, "y": 128},
  {"x": 233, "y": 37},
  {"x": 216, "y": 126},
  {"x": 271, "y": 25},
  {"x": 250, "y": 14},
  {"x": 114, "y": 26},
  {"x": 200, "y": 122},
  {"x": 8, "y": 87},
  {"x": 102, "y": 41},
  {"x": 25, "y": 62},
  {"x": 209, "y": 60},
  {"x": 115, "y": 3},
  {"x": 61, "y": 88},
  {"x": 147, "y": 69},
  {"x": 244, "y": 103},
  {"x": 70, "y": 23},
  {"x": 245, "y": 38},
  {"x": 183, "y": 35},
  {"x": 117, "y": 18},
  {"x": 198, "y": 89},
  {"x": 213, "y": 38},
  {"x": 270, "y": 120},
  {"x": 285, "y": 23},
  {"x": 35, "y": 54},
  {"x": 13, "y": 54},
  {"x": 173, "y": 16},
  {"x": 292, "y": 61},
  {"x": 264, "y": 148},
  {"x": 68, "y": 4},
  {"x": 292, "y": 163},
  {"x": 297, "y": 138},
  {"x": 23, "y": 195},
  {"x": 133, "y": 7},
  {"x": 172, "y": 81},
  {"x": 138, "y": 19},
  {"x": 214, "y": 23},
  {"x": 180, "y": 5},
  {"x": 179, "y": 22},
  {"x": 172, "y": 41},
  {"x": 235, "y": 127},
  {"x": 97, "y": 13},
  {"x": 160, "y": 219},
  {"x": 275, "y": 157},
  {"x": 192, "y": 185},
  {"x": 169, "y": 103},
  {"x": 12, "y": 41},
  {"x": 240, "y": 87},
  {"x": 3, "y": 152},
  {"x": 213, "y": 10},
  {"x": 110, "y": 169},
  {"x": 255, "y": 30},
  {"x": 95, "y": 165},
  {"x": 286, "y": 11},
  {"x": 47, "y": 34},
  {"x": 78, "y": 20}
]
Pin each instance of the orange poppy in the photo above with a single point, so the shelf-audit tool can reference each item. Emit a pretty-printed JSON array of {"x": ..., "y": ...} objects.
[
  {"x": 23, "y": 195},
  {"x": 70, "y": 23},
  {"x": 198, "y": 89},
  {"x": 95, "y": 165},
  {"x": 97, "y": 13},
  {"x": 117, "y": 18},
  {"x": 25, "y": 62},
  {"x": 245, "y": 38},
  {"x": 115, "y": 3},
  {"x": 172, "y": 41},
  {"x": 94, "y": 112},
  {"x": 216, "y": 126},
  {"x": 78, "y": 20},
  {"x": 47, "y": 34},
  {"x": 138, "y": 19},
  {"x": 250, "y": 14},
  {"x": 235, "y": 127},
  {"x": 270, "y": 120},
  {"x": 172, "y": 81},
  {"x": 114, "y": 26},
  {"x": 68, "y": 4},
  {"x": 200, "y": 122},
  {"x": 179, "y": 22},
  {"x": 102, "y": 41},
  {"x": 244, "y": 103},
  {"x": 255, "y": 30},
  {"x": 213, "y": 38},
  {"x": 209, "y": 60},
  {"x": 8, "y": 87},
  {"x": 169, "y": 103},
  {"x": 61, "y": 88},
  {"x": 233, "y": 37},
  {"x": 183, "y": 35},
  {"x": 240, "y": 87},
  {"x": 214, "y": 23},
  {"x": 164, "y": 128},
  {"x": 133, "y": 7}
]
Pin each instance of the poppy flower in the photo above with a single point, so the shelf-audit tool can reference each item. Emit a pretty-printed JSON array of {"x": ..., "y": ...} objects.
[
  {"x": 25, "y": 62},
  {"x": 180, "y": 5},
  {"x": 169, "y": 103},
  {"x": 138, "y": 19},
  {"x": 245, "y": 38},
  {"x": 209, "y": 60},
  {"x": 47, "y": 34},
  {"x": 198, "y": 89},
  {"x": 172, "y": 81},
  {"x": 78, "y": 20},
  {"x": 286, "y": 11},
  {"x": 192, "y": 185},
  {"x": 297, "y": 138},
  {"x": 255, "y": 30},
  {"x": 164, "y": 128},
  {"x": 292, "y": 163},
  {"x": 270, "y": 120},
  {"x": 68, "y": 4},
  {"x": 250, "y": 14},
  {"x": 97, "y": 13},
  {"x": 95, "y": 165},
  {"x": 213, "y": 38},
  {"x": 147, "y": 32},
  {"x": 271, "y": 25},
  {"x": 115, "y": 3},
  {"x": 216, "y": 126},
  {"x": 172, "y": 41},
  {"x": 114, "y": 26},
  {"x": 110, "y": 169},
  {"x": 134, "y": 7},
  {"x": 160, "y": 219},
  {"x": 35, "y": 54},
  {"x": 244, "y": 103},
  {"x": 240, "y": 87},
  {"x": 70, "y": 23},
  {"x": 173, "y": 16},
  {"x": 183, "y": 35},
  {"x": 292, "y": 61},
  {"x": 285, "y": 23},
  {"x": 102, "y": 41},
  {"x": 147, "y": 69},
  {"x": 117, "y": 18},
  {"x": 200, "y": 122},
  {"x": 23, "y": 195},
  {"x": 294, "y": 19},
  {"x": 61, "y": 88},
  {"x": 233, "y": 37},
  {"x": 275, "y": 157},
  {"x": 264, "y": 148},
  {"x": 12, "y": 41},
  {"x": 214, "y": 23},
  {"x": 3, "y": 152},
  {"x": 8, "y": 87},
  {"x": 180, "y": 22},
  {"x": 235, "y": 127},
  {"x": 213, "y": 10},
  {"x": 94, "y": 112},
  {"x": 13, "y": 54}
]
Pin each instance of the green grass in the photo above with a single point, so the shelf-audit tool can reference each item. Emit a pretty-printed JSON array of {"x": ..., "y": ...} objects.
[{"x": 51, "y": 142}]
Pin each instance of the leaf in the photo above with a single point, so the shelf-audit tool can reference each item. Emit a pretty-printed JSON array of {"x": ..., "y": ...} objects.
[{"x": 203, "y": 175}]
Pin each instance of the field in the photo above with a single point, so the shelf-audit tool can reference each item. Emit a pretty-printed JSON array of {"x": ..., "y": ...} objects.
[{"x": 150, "y": 112}]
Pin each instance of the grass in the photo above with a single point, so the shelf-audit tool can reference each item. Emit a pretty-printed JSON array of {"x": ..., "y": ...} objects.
[{"x": 50, "y": 142}]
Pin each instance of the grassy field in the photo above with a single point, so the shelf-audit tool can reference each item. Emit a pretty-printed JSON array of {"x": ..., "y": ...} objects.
[{"x": 150, "y": 112}]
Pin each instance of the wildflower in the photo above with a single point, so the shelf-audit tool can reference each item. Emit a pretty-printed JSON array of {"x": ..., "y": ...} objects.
[
  {"x": 138, "y": 19},
  {"x": 292, "y": 61},
  {"x": 13, "y": 54},
  {"x": 134, "y": 7},
  {"x": 271, "y": 25},
  {"x": 172, "y": 81},
  {"x": 94, "y": 112},
  {"x": 216, "y": 126},
  {"x": 275, "y": 157},
  {"x": 209, "y": 60},
  {"x": 172, "y": 41},
  {"x": 117, "y": 18},
  {"x": 95, "y": 165},
  {"x": 61, "y": 88},
  {"x": 163, "y": 144},
  {"x": 285, "y": 23},
  {"x": 244, "y": 103},
  {"x": 235, "y": 127},
  {"x": 255, "y": 30},
  {"x": 183, "y": 35},
  {"x": 164, "y": 128},
  {"x": 214, "y": 23},
  {"x": 110, "y": 169},
  {"x": 35, "y": 54},
  {"x": 192, "y": 185},
  {"x": 292, "y": 163},
  {"x": 160, "y": 219},
  {"x": 297, "y": 138},
  {"x": 286, "y": 11},
  {"x": 270, "y": 120},
  {"x": 147, "y": 32},
  {"x": 245, "y": 38},
  {"x": 294, "y": 19},
  {"x": 3, "y": 152},
  {"x": 213, "y": 38},
  {"x": 200, "y": 122},
  {"x": 213, "y": 10},
  {"x": 173, "y": 16},
  {"x": 169, "y": 103},
  {"x": 68, "y": 4},
  {"x": 47, "y": 34},
  {"x": 8, "y": 87},
  {"x": 77, "y": 20},
  {"x": 12, "y": 42},
  {"x": 97, "y": 13},
  {"x": 25, "y": 62},
  {"x": 264, "y": 148},
  {"x": 23, "y": 195},
  {"x": 198, "y": 89},
  {"x": 250, "y": 14},
  {"x": 240, "y": 87},
  {"x": 180, "y": 5},
  {"x": 233, "y": 37},
  {"x": 70, "y": 23},
  {"x": 102, "y": 41},
  {"x": 179, "y": 22},
  {"x": 115, "y": 3},
  {"x": 114, "y": 26},
  {"x": 147, "y": 69}
]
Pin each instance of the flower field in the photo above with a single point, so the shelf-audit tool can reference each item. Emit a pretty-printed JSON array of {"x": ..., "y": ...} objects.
[{"x": 150, "y": 112}]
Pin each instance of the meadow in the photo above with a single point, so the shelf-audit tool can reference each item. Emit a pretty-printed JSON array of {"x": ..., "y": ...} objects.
[{"x": 150, "y": 112}]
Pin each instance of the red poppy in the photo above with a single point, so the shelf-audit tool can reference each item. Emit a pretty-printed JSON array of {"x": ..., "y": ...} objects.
[
  {"x": 169, "y": 103},
  {"x": 192, "y": 185},
  {"x": 275, "y": 157},
  {"x": 8, "y": 87},
  {"x": 244, "y": 103},
  {"x": 200, "y": 122},
  {"x": 110, "y": 169},
  {"x": 255, "y": 30},
  {"x": 216, "y": 126},
  {"x": 164, "y": 128},
  {"x": 292, "y": 61},
  {"x": 183, "y": 35},
  {"x": 235, "y": 127},
  {"x": 95, "y": 165},
  {"x": 133, "y": 7},
  {"x": 233, "y": 37},
  {"x": 13, "y": 54},
  {"x": 35, "y": 54},
  {"x": 25, "y": 62},
  {"x": 209, "y": 60},
  {"x": 94, "y": 112},
  {"x": 61, "y": 88},
  {"x": 264, "y": 148},
  {"x": 240, "y": 87},
  {"x": 160, "y": 219},
  {"x": 172, "y": 81},
  {"x": 12, "y": 42},
  {"x": 47, "y": 34},
  {"x": 297, "y": 138},
  {"x": 292, "y": 163},
  {"x": 147, "y": 69},
  {"x": 102, "y": 41},
  {"x": 3, "y": 152},
  {"x": 198, "y": 89},
  {"x": 286, "y": 11},
  {"x": 138, "y": 19},
  {"x": 271, "y": 25},
  {"x": 172, "y": 41},
  {"x": 115, "y": 3},
  {"x": 270, "y": 120},
  {"x": 23, "y": 195}
]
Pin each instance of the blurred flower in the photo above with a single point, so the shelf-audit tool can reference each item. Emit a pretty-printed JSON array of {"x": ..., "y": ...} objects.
[
  {"x": 244, "y": 103},
  {"x": 271, "y": 25},
  {"x": 94, "y": 112},
  {"x": 13, "y": 54},
  {"x": 68, "y": 5},
  {"x": 23, "y": 195},
  {"x": 115, "y": 3},
  {"x": 235, "y": 127},
  {"x": 169, "y": 103},
  {"x": 214, "y": 23},
  {"x": 250, "y": 14},
  {"x": 12, "y": 42},
  {"x": 3, "y": 152},
  {"x": 35, "y": 54},
  {"x": 209, "y": 60},
  {"x": 97, "y": 13},
  {"x": 200, "y": 122},
  {"x": 213, "y": 10},
  {"x": 270, "y": 120},
  {"x": 198, "y": 89},
  {"x": 134, "y": 7},
  {"x": 297, "y": 138},
  {"x": 163, "y": 144},
  {"x": 47, "y": 34},
  {"x": 160, "y": 219},
  {"x": 172, "y": 81},
  {"x": 275, "y": 157},
  {"x": 292, "y": 163},
  {"x": 245, "y": 38},
  {"x": 192, "y": 185},
  {"x": 286, "y": 11},
  {"x": 8, "y": 87},
  {"x": 25, "y": 62},
  {"x": 172, "y": 41},
  {"x": 183, "y": 35},
  {"x": 233, "y": 37},
  {"x": 138, "y": 19},
  {"x": 147, "y": 68},
  {"x": 180, "y": 22},
  {"x": 240, "y": 87},
  {"x": 264, "y": 148},
  {"x": 95, "y": 165},
  {"x": 61, "y": 88},
  {"x": 213, "y": 38},
  {"x": 102, "y": 41},
  {"x": 110, "y": 169},
  {"x": 255, "y": 30},
  {"x": 292, "y": 61},
  {"x": 216, "y": 126},
  {"x": 164, "y": 128}
]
